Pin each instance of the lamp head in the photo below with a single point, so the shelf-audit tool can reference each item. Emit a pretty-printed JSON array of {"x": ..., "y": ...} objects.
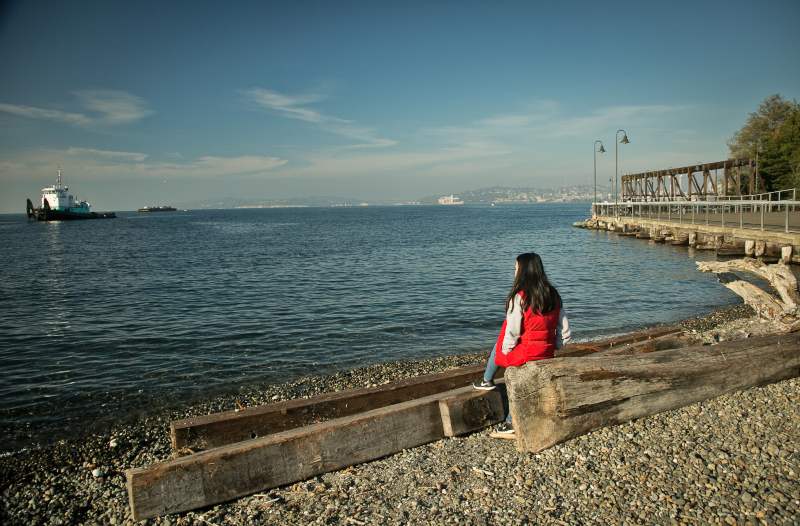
[
  {"x": 625, "y": 139},
  {"x": 601, "y": 150}
]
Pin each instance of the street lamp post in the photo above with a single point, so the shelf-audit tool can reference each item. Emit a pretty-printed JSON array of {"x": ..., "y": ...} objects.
[
  {"x": 617, "y": 141},
  {"x": 601, "y": 150},
  {"x": 758, "y": 168}
]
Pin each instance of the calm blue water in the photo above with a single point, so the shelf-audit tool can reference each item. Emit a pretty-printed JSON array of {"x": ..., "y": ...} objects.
[{"x": 110, "y": 315}]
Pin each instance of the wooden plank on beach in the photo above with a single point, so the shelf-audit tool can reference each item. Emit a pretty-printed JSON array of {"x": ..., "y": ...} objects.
[
  {"x": 218, "y": 429},
  {"x": 661, "y": 343},
  {"x": 555, "y": 400},
  {"x": 239, "y": 469},
  {"x": 214, "y": 430},
  {"x": 589, "y": 348}
]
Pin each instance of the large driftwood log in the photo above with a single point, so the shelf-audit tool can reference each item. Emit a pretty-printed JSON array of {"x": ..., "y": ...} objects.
[{"x": 555, "y": 400}]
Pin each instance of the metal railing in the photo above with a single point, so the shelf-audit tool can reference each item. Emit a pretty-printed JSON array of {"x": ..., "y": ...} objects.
[
  {"x": 744, "y": 212},
  {"x": 778, "y": 195}
]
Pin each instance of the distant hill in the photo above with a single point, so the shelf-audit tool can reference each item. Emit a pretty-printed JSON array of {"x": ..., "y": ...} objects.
[
  {"x": 238, "y": 202},
  {"x": 494, "y": 194},
  {"x": 505, "y": 194}
]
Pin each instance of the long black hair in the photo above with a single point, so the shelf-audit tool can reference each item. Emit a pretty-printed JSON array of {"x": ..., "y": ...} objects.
[{"x": 537, "y": 292}]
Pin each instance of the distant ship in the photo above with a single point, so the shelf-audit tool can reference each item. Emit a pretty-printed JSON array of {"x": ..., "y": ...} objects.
[
  {"x": 58, "y": 205},
  {"x": 450, "y": 200},
  {"x": 157, "y": 209}
]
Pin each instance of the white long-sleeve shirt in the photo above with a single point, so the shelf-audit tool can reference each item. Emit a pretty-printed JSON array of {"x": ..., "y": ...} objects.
[{"x": 514, "y": 317}]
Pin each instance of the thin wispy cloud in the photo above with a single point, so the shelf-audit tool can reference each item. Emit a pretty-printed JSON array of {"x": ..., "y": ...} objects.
[
  {"x": 548, "y": 120},
  {"x": 114, "y": 107},
  {"x": 214, "y": 166},
  {"x": 110, "y": 164},
  {"x": 32, "y": 112},
  {"x": 290, "y": 106},
  {"x": 501, "y": 143},
  {"x": 297, "y": 107},
  {"x": 103, "y": 108},
  {"x": 106, "y": 154},
  {"x": 604, "y": 119},
  {"x": 372, "y": 163}
]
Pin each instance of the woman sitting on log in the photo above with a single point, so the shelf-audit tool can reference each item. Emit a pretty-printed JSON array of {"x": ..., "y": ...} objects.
[{"x": 535, "y": 326}]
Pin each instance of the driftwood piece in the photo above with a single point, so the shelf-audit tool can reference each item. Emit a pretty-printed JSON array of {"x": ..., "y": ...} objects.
[
  {"x": 219, "y": 429},
  {"x": 555, "y": 400},
  {"x": 243, "y": 468},
  {"x": 765, "y": 305},
  {"x": 780, "y": 276}
]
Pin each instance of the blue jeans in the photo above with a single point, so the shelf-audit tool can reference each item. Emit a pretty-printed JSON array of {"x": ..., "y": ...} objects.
[{"x": 491, "y": 370}]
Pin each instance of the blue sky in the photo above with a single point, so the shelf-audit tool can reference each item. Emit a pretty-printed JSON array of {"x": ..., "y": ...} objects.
[{"x": 144, "y": 102}]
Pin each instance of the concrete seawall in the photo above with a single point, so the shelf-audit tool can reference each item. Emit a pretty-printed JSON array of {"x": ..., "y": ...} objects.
[{"x": 726, "y": 240}]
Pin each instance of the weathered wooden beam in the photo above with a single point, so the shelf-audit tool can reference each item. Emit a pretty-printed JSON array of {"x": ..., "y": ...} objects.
[
  {"x": 239, "y": 469},
  {"x": 660, "y": 343},
  {"x": 218, "y": 429},
  {"x": 555, "y": 400},
  {"x": 588, "y": 348}
]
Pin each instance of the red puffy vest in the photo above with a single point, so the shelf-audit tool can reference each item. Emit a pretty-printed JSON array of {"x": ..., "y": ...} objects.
[{"x": 537, "y": 340}]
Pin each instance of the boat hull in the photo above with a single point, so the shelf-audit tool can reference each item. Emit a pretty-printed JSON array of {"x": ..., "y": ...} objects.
[
  {"x": 58, "y": 215},
  {"x": 157, "y": 209}
]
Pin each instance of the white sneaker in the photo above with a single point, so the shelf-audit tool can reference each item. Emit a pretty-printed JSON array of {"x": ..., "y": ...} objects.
[{"x": 483, "y": 385}]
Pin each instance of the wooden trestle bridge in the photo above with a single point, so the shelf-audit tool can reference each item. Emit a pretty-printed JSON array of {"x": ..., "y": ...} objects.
[
  {"x": 733, "y": 177},
  {"x": 724, "y": 194}
]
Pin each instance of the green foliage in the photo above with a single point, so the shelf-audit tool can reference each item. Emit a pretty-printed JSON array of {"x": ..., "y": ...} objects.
[
  {"x": 773, "y": 130},
  {"x": 780, "y": 159}
]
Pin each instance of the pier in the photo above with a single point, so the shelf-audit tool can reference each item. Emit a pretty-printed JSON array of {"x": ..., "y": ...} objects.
[{"x": 713, "y": 206}]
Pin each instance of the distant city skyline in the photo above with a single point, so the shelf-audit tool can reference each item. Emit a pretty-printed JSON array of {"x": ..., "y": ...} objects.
[
  {"x": 159, "y": 103},
  {"x": 486, "y": 195}
]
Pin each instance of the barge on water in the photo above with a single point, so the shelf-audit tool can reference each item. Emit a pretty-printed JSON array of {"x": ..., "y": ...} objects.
[
  {"x": 58, "y": 205},
  {"x": 157, "y": 209}
]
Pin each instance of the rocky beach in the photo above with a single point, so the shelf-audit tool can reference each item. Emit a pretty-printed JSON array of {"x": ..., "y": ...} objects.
[{"x": 730, "y": 460}]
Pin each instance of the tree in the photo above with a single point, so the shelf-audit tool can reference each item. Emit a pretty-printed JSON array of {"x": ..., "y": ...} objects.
[
  {"x": 780, "y": 160},
  {"x": 773, "y": 130}
]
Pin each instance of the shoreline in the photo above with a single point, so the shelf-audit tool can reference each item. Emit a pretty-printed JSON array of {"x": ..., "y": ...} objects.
[
  {"x": 261, "y": 391},
  {"x": 82, "y": 479}
]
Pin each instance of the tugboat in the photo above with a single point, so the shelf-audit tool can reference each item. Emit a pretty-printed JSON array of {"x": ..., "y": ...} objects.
[{"x": 58, "y": 205}]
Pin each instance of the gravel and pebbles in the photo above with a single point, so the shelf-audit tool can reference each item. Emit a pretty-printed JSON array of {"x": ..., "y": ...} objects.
[{"x": 731, "y": 460}]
